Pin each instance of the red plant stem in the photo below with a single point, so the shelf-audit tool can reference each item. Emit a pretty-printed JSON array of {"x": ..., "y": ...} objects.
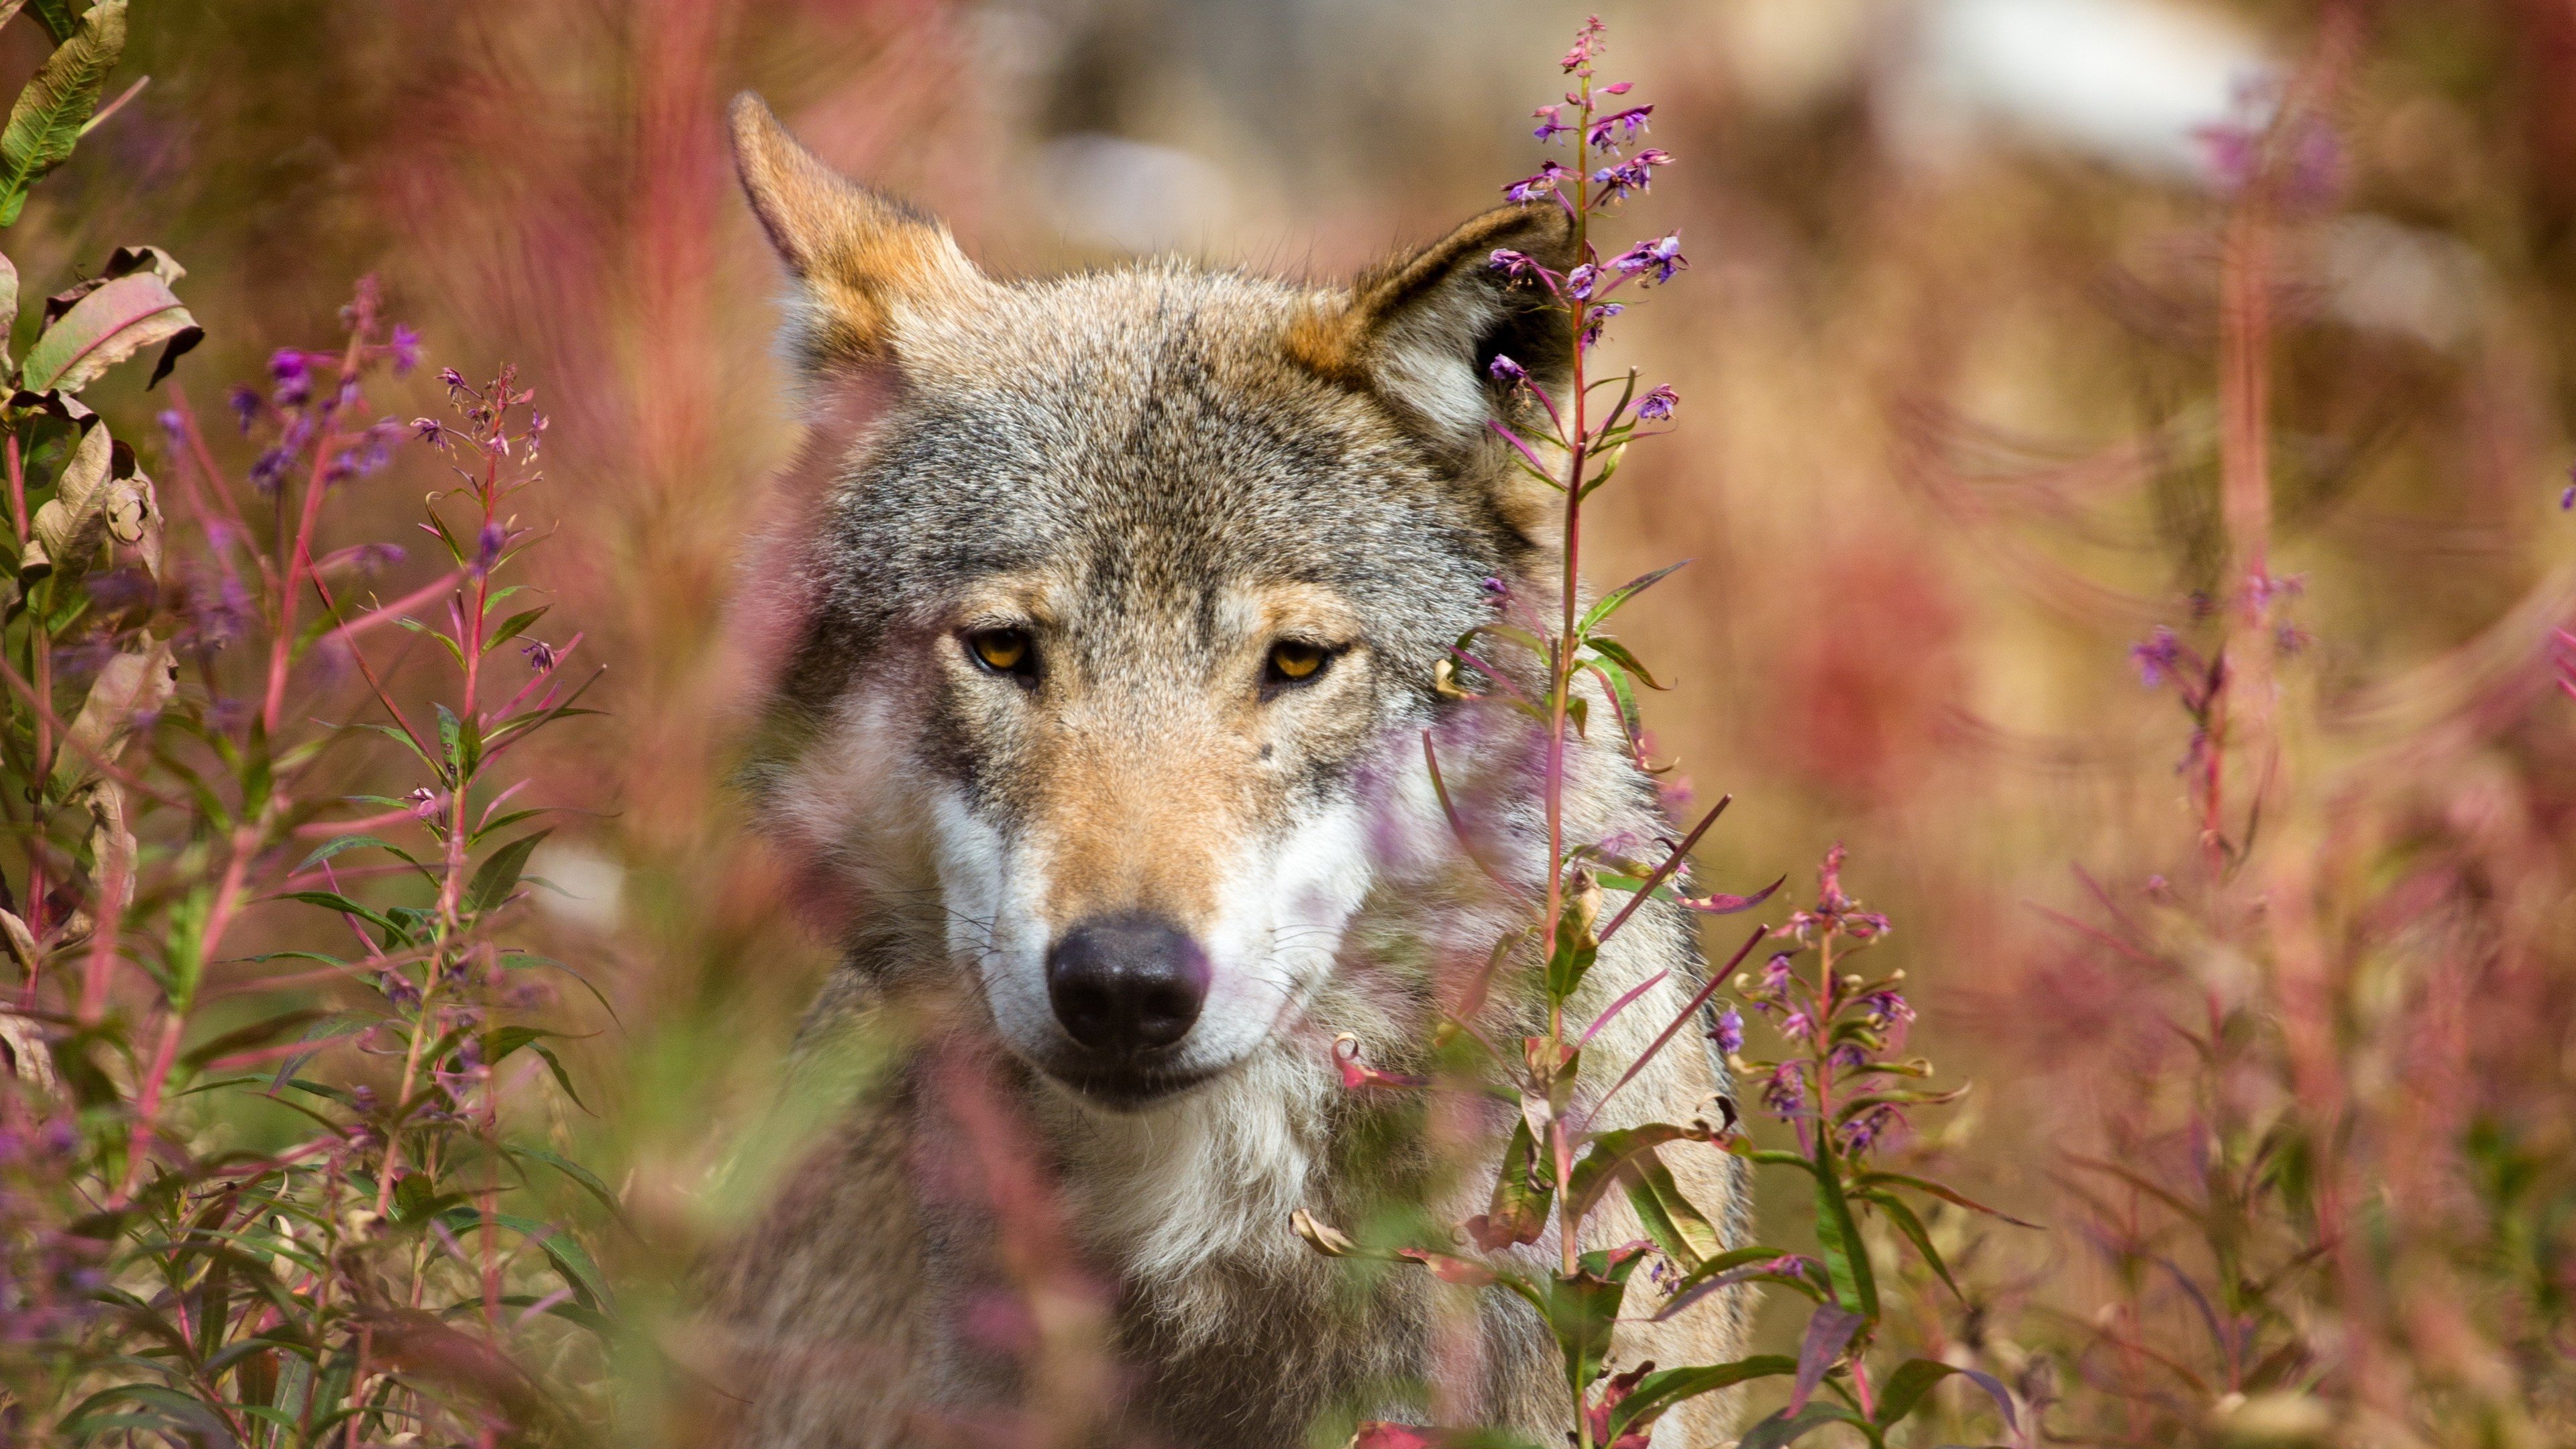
[
  {"x": 1560, "y": 665},
  {"x": 147, "y": 1106},
  {"x": 18, "y": 491}
]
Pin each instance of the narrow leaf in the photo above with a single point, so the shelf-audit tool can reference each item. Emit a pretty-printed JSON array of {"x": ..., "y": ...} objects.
[
  {"x": 50, "y": 112},
  {"x": 500, "y": 874},
  {"x": 1915, "y": 1377},
  {"x": 1829, "y": 1332},
  {"x": 1664, "y": 1388},
  {"x": 113, "y": 322}
]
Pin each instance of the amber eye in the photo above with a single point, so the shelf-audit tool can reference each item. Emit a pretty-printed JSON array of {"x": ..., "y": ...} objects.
[
  {"x": 1003, "y": 651},
  {"x": 1294, "y": 661}
]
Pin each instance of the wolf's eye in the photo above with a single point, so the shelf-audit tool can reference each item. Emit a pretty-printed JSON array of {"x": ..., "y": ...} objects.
[
  {"x": 1003, "y": 651},
  {"x": 1294, "y": 661}
]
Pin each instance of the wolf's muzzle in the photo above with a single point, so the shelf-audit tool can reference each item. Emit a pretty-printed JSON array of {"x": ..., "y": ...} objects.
[{"x": 1125, "y": 985}]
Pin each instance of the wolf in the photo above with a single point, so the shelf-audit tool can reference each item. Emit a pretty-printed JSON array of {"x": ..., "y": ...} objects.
[{"x": 1113, "y": 658}]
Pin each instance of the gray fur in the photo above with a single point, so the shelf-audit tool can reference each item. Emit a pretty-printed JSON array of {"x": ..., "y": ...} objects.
[{"x": 1137, "y": 464}]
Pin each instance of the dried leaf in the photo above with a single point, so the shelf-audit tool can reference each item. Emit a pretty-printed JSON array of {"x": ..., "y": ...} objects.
[
  {"x": 131, "y": 686},
  {"x": 110, "y": 323},
  {"x": 70, "y": 527},
  {"x": 23, "y": 1053},
  {"x": 8, "y": 286},
  {"x": 1326, "y": 1239},
  {"x": 111, "y": 845},
  {"x": 20, "y": 941},
  {"x": 49, "y": 113}
]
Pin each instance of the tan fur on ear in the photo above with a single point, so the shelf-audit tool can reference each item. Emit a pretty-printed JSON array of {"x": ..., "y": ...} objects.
[
  {"x": 1418, "y": 329},
  {"x": 864, "y": 259}
]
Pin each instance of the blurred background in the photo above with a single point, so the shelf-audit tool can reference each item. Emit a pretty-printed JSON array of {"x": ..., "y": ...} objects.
[{"x": 1949, "y": 355}]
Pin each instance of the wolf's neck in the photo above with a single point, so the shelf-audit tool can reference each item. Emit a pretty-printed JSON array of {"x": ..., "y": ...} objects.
[{"x": 1206, "y": 1181}]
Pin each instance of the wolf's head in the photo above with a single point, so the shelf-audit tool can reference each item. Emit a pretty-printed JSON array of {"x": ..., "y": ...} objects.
[{"x": 1121, "y": 619}]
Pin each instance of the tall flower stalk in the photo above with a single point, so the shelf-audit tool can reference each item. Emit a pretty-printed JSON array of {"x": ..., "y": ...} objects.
[{"x": 1841, "y": 1097}]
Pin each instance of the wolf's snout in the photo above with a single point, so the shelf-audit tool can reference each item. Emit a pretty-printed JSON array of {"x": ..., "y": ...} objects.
[{"x": 1126, "y": 984}]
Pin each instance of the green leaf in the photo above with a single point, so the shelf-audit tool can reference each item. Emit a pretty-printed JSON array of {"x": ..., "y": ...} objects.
[
  {"x": 1617, "y": 653},
  {"x": 1912, "y": 1227},
  {"x": 339, "y": 845},
  {"x": 258, "y": 1033},
  {"x": 1611, "y": 1158},
  {"x": 1611, "y": 601},
  {"x": 57, "y": 18},
  {"x": 1945, "y": 1193},
  {"x": 1915, "y": 1377},
  {"x": 451, "y": 743},
  {"x": 510, "y": 1038},
  {"x": 1521, "y": 1196},
  {"x": 1838, "y": 1236},
  {"x": 588, "y": 1180},
  {"x": 334, "y": 901},
  {"x": 500, "y": 874},
  {"x": 1781, "y": 1429},
  {"x": 1583, "y": 1309},
  {"x": 50, "y": 112},
  {"x": 512, "y": 627},
  {"x": 114, "y": 321},
  {"x": 1671, "y": 1219},
  {"x": 1664, "y": 1388}
]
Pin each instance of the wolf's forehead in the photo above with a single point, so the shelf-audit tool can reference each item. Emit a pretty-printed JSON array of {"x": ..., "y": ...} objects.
[{"x": 1144, "y": 434}]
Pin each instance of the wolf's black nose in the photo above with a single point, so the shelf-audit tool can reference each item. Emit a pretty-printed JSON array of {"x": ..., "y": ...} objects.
[{"x": 1126, "y": 984}]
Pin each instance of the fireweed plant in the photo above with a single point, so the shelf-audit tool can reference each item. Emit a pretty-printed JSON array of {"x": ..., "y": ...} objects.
[
  {"x": 381, "y": 1274},
  {"x": 384, "y": 1265},
  {"x": 1836, "y": 1085}
]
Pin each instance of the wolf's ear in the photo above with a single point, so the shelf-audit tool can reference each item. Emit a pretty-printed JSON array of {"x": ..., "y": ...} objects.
[
  {"x": 863, "y": 260},
  {"x": 1420, "y": 331}
]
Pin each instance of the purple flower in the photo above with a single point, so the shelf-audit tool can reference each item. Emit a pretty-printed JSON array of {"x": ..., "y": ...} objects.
[
  {"x": 1865, "y": 1131},
  {"x": 1786, "y": 1092},
  {"x": 1662, "y": 256},
  {"x": 405, "y": 349},
  {"x": 1775, "y": 973},
  {"x": 1578, "y": 283},
  {"x": 1517, "y": 266},
  {"x": 292, "y": 373},
  {"x": 1549, "y": 127},
  {"x": 1596, "y": 318},
  {"x": 2160, "y": 656},
  {"x": 173, "y": 426},
  {"x": 488, "y": 546},
  {"x": 2262, "y": 588},
  {"x": 243, "y": 399},
  {"x": 1503, "y": 369},
  {"x": 541, "y": 655},
  {"x": 1634, "y": 174},
  {"x": 429, "y": 430},
  {"x": 1797, "y": 1026},
  {"x": 1729, "y": 1032},
  {"x": 2567, "y": 499},
  {"x": 1532, "y": 187},
  {"x": 1497, "y": 588},
  {"x": 1657, "y": 406},
  {"x": 1587, "y": 43},
  {"x": 375, "y": 449},
  {"x": 424, "y": 802},
  {"x": 1887, "y": 1008},
  {"x": 269, "y": 469},
  {"x": 1623, "y": 125}
]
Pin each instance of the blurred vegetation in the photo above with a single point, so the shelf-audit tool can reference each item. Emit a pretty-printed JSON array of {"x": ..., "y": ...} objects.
[{"x": 1971, "y": 356}]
